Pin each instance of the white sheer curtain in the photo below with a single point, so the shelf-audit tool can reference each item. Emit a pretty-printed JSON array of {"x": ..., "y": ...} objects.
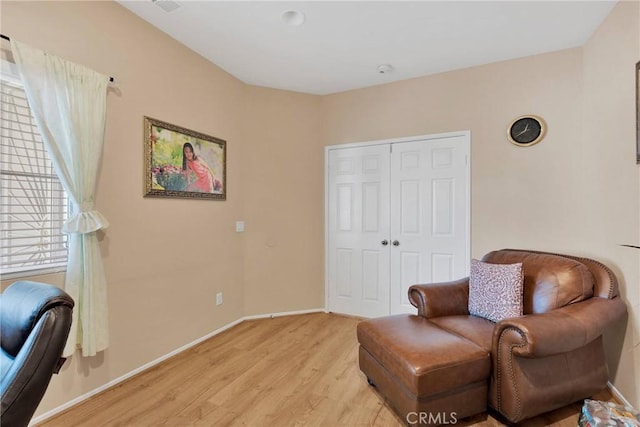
[{"x": 69, "y": 105}]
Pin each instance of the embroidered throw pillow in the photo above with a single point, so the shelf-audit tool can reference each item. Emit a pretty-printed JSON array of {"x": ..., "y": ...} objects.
[{"x": 495, "y": 290}]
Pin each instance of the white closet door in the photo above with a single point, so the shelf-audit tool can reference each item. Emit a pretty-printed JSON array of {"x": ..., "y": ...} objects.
[
  {"x": 358, "y": 224},
  {"x": 429, "y": 215}
]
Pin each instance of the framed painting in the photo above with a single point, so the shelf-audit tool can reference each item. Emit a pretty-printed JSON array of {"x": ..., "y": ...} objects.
[{"x": 183, "y": 163}]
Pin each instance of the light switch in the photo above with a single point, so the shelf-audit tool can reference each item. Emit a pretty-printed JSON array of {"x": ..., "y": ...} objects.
[{"x": 239, "y": 226}]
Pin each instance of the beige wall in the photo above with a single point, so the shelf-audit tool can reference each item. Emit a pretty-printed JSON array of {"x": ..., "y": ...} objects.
[
  {"x": 510, "y": 202},
  {"x": 611, "y": 186},
  {"x": 578, "y": 191},
  {"x": 284, "y": 203}
]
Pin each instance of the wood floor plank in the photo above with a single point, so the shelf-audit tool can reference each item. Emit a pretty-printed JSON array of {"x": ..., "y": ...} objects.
[{"x": 286, "y": 371}]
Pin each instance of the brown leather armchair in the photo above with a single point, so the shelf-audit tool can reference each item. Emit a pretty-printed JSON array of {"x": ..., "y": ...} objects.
[
  {"x": 34, "y": 319},
  {"x": 550, "y": 357}
]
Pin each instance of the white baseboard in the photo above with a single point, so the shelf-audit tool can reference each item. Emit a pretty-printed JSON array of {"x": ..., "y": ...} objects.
[
  {"x": 616, "y": 393},
  {"x": 151, "y": 364},
  {"x": 286, "y": 313}
]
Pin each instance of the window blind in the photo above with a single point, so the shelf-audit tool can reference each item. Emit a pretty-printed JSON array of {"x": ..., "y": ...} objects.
[{"x": 33, "y": 203}]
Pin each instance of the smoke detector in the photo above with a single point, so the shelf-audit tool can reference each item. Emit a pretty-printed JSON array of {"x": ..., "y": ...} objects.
[
  {"x": 167, "y": 5},
  {"x": 293, "y": 18},
  {"x": 385, "y": 68}
]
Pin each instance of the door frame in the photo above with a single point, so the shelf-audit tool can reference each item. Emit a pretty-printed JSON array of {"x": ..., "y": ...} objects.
[{"x": 467, "y": 143}]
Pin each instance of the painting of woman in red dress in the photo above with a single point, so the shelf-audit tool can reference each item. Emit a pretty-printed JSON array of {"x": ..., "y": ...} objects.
[
  {"x": 200, "y": 177},
  {"x": 183, "y": 163}
]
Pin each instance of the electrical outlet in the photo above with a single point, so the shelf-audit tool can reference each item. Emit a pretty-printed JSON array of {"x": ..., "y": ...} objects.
[{"x": 219, "y": 298}]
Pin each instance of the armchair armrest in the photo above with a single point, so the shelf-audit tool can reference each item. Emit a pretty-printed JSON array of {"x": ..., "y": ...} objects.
[
  {"x": 441, "y": 299},
  {"x": 558, "y": 331}
]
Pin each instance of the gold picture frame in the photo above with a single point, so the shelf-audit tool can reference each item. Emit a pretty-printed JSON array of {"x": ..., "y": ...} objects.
[{"x": 182, "y": 163}]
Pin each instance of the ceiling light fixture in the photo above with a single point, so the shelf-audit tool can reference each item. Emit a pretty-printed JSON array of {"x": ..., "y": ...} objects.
[
  {"x": 294, "y": 18},
  {"x": 384, "y": 68}
]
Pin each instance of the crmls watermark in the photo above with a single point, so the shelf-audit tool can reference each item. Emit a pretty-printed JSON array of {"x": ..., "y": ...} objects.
[{"x": 437, "y": 418}]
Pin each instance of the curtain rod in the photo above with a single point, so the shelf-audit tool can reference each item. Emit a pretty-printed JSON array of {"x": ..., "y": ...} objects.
[{"x": 2, "y": 36}]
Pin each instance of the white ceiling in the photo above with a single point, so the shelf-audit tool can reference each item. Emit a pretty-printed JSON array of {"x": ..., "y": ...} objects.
[{"x": 341, "y": 43}]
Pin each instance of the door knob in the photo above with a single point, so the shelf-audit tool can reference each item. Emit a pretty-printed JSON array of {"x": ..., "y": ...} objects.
[
  {"x": 396, "y": 243},
  {"x": 385, "y": 242}
]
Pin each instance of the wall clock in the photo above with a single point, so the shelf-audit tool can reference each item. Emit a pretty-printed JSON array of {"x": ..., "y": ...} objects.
[{"x": 526, "y": 130}]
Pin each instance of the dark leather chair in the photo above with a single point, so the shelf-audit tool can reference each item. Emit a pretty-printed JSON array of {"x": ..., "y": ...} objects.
[
  {"x": 522, "y": 366},
  {"x": 35, "y": 319}
]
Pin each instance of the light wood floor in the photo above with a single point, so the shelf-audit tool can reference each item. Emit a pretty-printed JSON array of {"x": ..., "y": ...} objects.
[{"x": 286, "y": 371}]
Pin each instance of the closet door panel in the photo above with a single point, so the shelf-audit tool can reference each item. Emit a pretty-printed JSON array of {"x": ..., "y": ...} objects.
[
  {"x": 428, "y": 215},
  {"x": 358, "y": 223}
]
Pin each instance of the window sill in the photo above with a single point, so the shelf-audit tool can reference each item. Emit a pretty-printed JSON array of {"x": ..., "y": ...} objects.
[{"x": 31, "y": 273}]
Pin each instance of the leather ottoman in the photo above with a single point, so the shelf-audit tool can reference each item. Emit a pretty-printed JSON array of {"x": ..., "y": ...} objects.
[{"x": 427, "y": 375}]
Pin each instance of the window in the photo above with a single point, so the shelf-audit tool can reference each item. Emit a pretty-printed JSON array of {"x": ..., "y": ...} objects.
[{"x": 33, "y": 203}]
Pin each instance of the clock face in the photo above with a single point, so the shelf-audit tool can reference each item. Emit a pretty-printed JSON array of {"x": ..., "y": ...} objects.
[{"x": 526, "y": 130}]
